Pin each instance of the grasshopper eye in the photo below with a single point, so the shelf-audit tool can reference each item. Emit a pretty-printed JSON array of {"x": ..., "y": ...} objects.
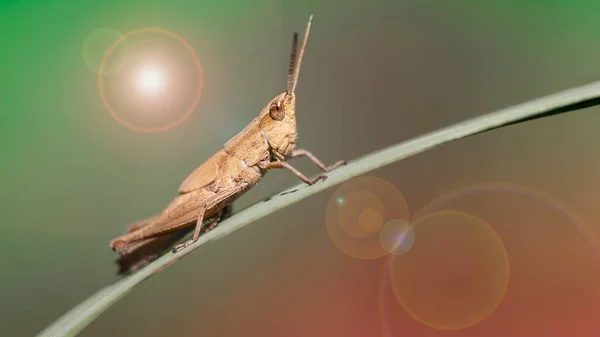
[{"x": 276, "y": 111}]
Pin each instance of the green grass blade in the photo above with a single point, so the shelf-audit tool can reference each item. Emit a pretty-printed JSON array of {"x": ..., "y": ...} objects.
[{"x": 588, "y": 95}]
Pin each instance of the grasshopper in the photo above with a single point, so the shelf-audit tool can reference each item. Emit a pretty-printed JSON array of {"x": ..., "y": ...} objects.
[{"x": 206, "y": 195}]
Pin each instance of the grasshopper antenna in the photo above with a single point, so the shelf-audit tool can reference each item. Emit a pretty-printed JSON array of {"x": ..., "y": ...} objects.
[
  {"x": 290, "y": 82},
  {"x": 299, "y": 60}
]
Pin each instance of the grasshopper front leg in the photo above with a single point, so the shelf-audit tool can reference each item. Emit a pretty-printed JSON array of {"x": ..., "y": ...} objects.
[
  {"x": 314, "y": 159},
  {"x": 282, "y": 164}
]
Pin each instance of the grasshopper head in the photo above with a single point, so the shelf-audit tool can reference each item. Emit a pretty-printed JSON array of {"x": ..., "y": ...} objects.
[
  {"x": 278, "y": 123},
  {"x": 278, "y": 117}
]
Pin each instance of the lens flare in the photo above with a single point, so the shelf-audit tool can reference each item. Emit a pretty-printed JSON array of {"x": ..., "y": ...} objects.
[
  {"x": 165, "y": 72},
  {"x": 532, "y": 234},
  {"x": 358, "y": 210},
  {"x": 370, "y": 220},
  {"x": 455, "y": 275},
  {"x": 390, "y": 313},
  {"x": 397, "y": 237},
  {"x": 150, "y": 80},
  {"x": 96, "y": 44},
  {"x": 519, "y": 190}
]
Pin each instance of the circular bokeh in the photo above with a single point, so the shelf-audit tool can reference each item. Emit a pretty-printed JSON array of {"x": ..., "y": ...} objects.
[
  {"x": 159, "y": 85},
  {"x": 397, "y": 237},
  {"x": 488, "y": 197},
  {"x": 473, "y": 190},
  {"x": 95, "y": 46},
  {"x": 455, "y": 274},
  {"x": 360, "y": 213},
  {"x": 387, "y": 305},
  {"x": 358, "y": 210}
]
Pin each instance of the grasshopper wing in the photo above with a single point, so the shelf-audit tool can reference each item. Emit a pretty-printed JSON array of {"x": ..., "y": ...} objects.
[
  {"x": 205, "y": 174},
  {"x": 184, "y": 213}
]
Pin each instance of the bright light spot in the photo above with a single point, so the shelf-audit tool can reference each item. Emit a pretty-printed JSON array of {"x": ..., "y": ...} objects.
[
  {"x": 150, "y": 80},
  {"x": 397, "y": 237}
]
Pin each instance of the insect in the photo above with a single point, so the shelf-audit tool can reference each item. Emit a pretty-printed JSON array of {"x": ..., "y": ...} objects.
[{"x": 206, "y": 195}]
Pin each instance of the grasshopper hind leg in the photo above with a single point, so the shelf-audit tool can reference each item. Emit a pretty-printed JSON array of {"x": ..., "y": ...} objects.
[
  {"x": 225, "y": 213},
  {"x": 142, "y": 252},
  {"x": 201, "y": 228},
  {"x": 146, "y": 251}
]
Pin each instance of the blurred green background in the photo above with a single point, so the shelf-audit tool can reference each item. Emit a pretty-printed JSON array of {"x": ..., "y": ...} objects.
[{"x": 375, "y": 73}]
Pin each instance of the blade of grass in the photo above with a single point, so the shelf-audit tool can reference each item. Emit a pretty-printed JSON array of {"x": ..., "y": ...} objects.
[{"x": 79, "y": 317}]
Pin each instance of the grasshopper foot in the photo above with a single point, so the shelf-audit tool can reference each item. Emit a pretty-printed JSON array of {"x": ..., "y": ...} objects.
[
  {"x": 312, "y": 182},
  {"x": 336, "y": 165},
  {"x": 182, "y": 246}
]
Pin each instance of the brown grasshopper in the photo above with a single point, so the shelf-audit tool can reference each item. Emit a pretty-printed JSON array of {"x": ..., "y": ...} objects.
[{"x": 206, "y": 195}]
